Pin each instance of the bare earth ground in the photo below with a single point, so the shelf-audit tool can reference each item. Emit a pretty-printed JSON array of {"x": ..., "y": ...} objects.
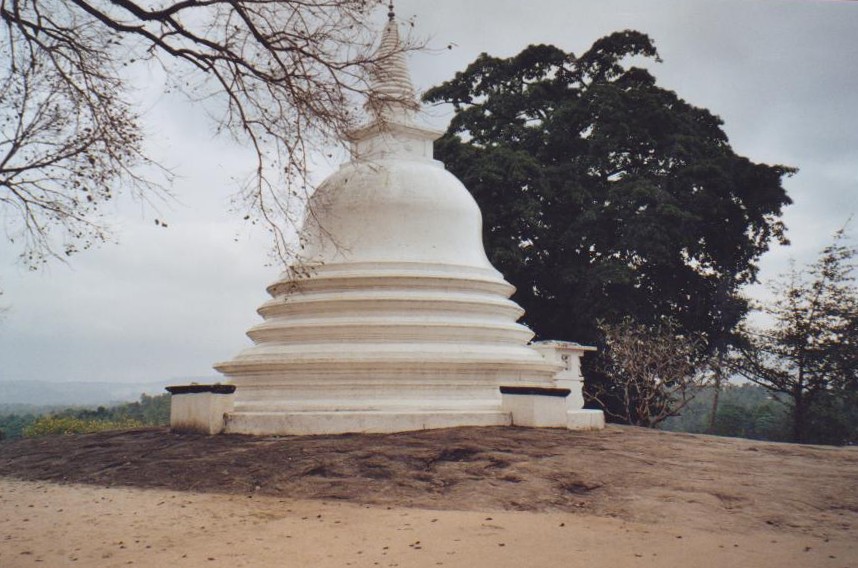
[{"x": 457, "y": 497}]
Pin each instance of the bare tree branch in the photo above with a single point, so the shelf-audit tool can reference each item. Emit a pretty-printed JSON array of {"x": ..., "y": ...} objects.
[
  {"x": 284, "y": 76},
  {"x": 653, "y": 372}
]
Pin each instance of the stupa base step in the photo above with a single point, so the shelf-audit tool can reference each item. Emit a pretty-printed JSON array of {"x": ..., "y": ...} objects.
[
  {"x": 368, "y": 422},
  {"x": 585, "y": 419}
]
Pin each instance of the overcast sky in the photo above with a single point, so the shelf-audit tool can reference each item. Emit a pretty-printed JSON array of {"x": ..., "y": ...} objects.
[{"x": 165, "y": 304}]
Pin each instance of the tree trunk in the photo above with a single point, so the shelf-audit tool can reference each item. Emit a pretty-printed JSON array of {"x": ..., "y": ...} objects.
[
  {"x": 713, "y": 414},
  {"x": 799, "y": 416}
]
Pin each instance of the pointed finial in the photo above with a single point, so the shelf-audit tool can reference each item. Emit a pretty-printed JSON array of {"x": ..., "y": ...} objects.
[
  {"x": 393, "y": 92},
  {"x": 390, "y": 12}
]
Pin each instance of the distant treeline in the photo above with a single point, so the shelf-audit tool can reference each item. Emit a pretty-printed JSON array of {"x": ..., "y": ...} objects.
[
  {"x": 750, "y": 411},
  {"x": 148, "y": 411}
]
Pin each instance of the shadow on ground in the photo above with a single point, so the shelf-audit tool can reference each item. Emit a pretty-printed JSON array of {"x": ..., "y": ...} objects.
[{"x": 625, "y": 472}]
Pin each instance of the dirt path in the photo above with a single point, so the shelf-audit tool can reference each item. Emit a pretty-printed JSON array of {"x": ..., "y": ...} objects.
[
  {"x": 459, "y": 497},
  {"x": 45, "y": 524}
]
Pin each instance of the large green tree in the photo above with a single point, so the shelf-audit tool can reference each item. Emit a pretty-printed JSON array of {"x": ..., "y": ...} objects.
[{"x": 605, "y": 195}]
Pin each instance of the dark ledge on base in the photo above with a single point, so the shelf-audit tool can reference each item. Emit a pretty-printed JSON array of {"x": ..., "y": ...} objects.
[
  {"x": 194, "y": 389},
  {"x": 540, "y": 391}
]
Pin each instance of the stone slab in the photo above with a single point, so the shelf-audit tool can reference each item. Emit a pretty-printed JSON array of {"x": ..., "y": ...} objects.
[
  {"x": 585, "y": 419},
  {"x": 201, "y": 412},
  {"x": 537, "y": 410}
]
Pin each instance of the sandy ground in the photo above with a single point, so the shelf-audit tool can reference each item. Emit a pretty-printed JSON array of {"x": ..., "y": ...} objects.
[
  {"x": 51, "y": 525},
  {"x": 462, "y": 497}
]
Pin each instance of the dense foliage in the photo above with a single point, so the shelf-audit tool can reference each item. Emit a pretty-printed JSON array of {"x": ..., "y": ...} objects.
[
  {"x": 606, "y": 196},
  {"x": 12, "y": 425}
]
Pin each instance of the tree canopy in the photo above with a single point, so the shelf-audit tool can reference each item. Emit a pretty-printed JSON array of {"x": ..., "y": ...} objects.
[
  {"x": 604, "y": 195},
  {"x": 279, "y": 75}
]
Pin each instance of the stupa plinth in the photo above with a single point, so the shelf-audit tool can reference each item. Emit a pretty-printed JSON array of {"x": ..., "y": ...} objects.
[{"x": 392, "y": 318}]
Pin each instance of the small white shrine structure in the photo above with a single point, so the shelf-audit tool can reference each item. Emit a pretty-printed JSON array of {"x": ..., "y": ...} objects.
[{"x": 394, "y": 319}]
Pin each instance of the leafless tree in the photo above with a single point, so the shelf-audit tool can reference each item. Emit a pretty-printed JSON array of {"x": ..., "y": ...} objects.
[
  {"x": 66, "y": 140},
  {"x": 653, "y": 372},
  {"x": 283, "y": 76}
]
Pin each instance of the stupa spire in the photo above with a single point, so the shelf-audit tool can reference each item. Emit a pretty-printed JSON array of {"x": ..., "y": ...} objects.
[{"x": 392, "y": 90}]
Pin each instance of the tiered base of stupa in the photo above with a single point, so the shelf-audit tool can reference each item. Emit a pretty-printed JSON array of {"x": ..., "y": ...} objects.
[
  {"x": 355, "y": 421},
  {"x": 384, "y": 347}
]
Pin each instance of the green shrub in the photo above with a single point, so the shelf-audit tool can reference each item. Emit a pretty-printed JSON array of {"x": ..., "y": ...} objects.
[
  {"x": 54, "y": 425},
  {"x": 12, "y": 425}
]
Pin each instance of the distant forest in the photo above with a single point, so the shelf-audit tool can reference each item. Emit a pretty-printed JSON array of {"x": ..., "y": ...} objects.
[
  {"x": 750, "y": 411},
  {"x": 18, "y": 420},
  {"x": 744, "y": 411}
]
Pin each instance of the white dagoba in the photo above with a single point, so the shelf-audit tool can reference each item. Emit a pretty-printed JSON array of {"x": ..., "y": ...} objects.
[{"x": 393, "y": 318}]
